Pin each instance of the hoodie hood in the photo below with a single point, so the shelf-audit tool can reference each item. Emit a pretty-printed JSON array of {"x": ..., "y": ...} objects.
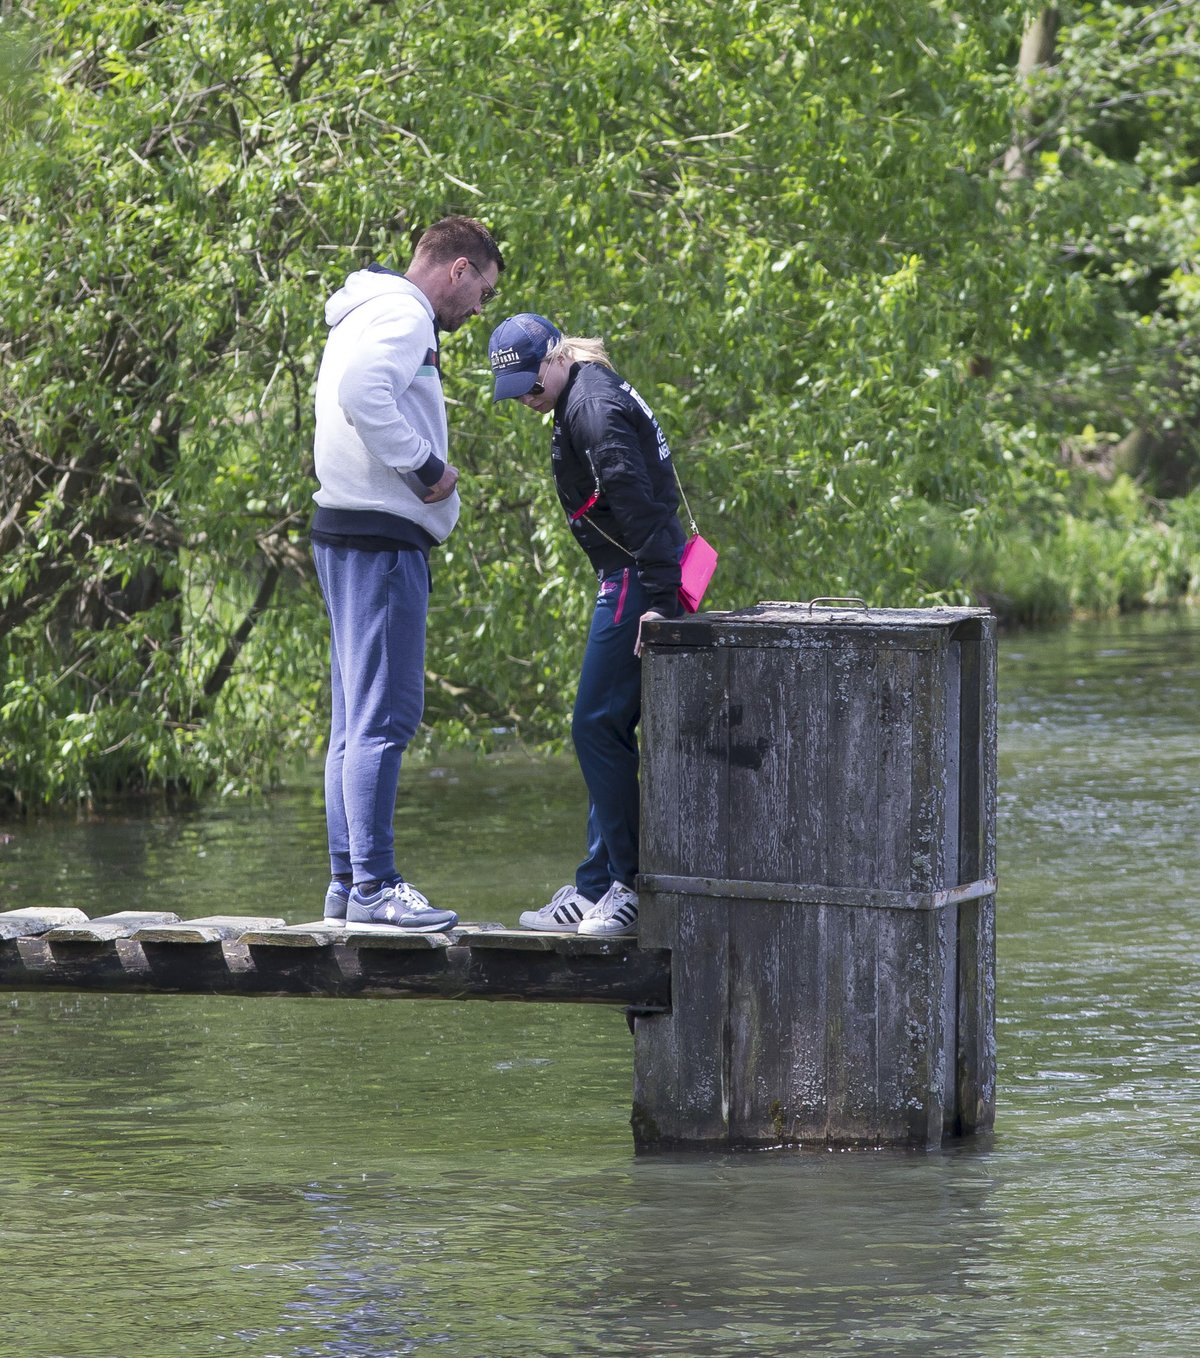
[{"x": 368, "y": 285}]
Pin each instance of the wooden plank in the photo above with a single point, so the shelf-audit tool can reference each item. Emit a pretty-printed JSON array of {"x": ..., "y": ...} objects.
[
  {"x": 658, "y": 912},
  {"x": 106, "y": 928},
  {"x": 782, "y": 627},
  {"x": 928, "y": 777},
  {"x": 292, "y": 936},
  {"x": 976, "y": 1067},
  {"x": 850, "y": 786},
  {"x": 804, "y": 1021},
  {"x": 869, "y": 618},
  {"x": 623, "y": 973},
  {"x": 901, "y": 1026},
  {"x": 327, "y": 933},
  {"x": 564, "y": 944},
  {"x": 952, "y": 700},
  {"x": 660, "y": 761},
  {"x": 337, "y": 929},
  {"x": 975, "y": 1071},
  {"x": 807, "y": 785},
  {"x": 375, "y": 937},
  {"x": 952, "y": 874},
  {"x": 684, "y": 801},
  {"x": 988, "y": 747},
  {"x": 700, "y": 975},
  {"x": 970, "y": 761},
  {"x": 29, "y": 923},
  {"x": 207, "y": 929},
  {"x": 759, "y": 754},
  {"x": 913, "y": 1054},
  {"x": 522, "y": 940},
  {"x": 681, "y": 1068},
  {"x": 945, "y": 930},
  {"x": 850, "y": 948},
  {"x": 759, "y": 1040},
  {"x": 893, "y": 770},
  {"x": 811, "y": 893},
  {"x": 703, "y": 788}
]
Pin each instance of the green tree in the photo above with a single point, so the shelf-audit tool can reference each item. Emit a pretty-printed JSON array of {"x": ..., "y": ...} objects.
[
  {"x": 867, "y": 341},
  {"x": 1102, "y": 369},
  {"x": 1110, "y": 167}
]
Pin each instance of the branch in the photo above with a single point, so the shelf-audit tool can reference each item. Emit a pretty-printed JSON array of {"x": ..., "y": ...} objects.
[{"x": 224, "y": 667}]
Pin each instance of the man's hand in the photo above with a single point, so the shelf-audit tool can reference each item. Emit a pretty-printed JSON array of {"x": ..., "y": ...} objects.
[
  {"x": 444, "y": 488},
  {"x": 646, "y": 616}
]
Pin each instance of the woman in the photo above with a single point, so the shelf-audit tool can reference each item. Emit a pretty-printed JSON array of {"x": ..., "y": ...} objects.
[{"x": 613, "y": 473}]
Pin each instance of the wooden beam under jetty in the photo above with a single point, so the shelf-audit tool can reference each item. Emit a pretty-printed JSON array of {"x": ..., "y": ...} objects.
[{"x": 150, "y": 952}]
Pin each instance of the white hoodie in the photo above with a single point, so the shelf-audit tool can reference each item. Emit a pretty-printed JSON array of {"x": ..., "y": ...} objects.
[{"x": 381, "y": 416}]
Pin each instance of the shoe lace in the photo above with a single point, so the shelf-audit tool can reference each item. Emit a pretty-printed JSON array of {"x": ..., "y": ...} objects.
[
  {"x": 614, "y": 898},
  {"x": 406, "y": 895},
  {"x": 560, "y": 897}
]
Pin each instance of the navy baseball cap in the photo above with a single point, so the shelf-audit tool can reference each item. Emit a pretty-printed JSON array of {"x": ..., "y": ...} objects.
[{"x": 516, "y": 350}]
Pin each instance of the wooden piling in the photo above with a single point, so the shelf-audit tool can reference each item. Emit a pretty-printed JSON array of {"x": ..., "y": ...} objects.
[{"x": 818, "y": 856}]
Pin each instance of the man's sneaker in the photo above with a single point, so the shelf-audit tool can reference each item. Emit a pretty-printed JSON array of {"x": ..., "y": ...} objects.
[
  {"x": 335, "y": 900},
  {"x": 400, "y": 904},
  {"x": 567, "y": 907},
  {"x": 615, "y": 914}
]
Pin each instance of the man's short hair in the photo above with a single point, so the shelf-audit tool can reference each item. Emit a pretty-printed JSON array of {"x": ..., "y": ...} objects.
[{"x": 455, "y": 237}]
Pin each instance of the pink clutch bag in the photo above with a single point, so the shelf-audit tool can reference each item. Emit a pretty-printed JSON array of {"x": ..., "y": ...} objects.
[{"x": 696, "y": 567}]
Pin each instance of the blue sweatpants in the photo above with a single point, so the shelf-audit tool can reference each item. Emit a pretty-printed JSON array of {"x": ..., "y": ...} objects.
[
  {"x": 604, "y": 729},
  {"x": 377, "y": 603}
]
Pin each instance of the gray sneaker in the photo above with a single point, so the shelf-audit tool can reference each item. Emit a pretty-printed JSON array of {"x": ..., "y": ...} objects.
[
  {"x": 336, "y": 896},
  {"x": 615, "y": 914},
  {"x": 400, "y": 904}
]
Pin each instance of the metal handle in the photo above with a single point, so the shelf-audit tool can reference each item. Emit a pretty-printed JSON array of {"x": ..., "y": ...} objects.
[
  {"x": 843, "y": 601},
  {"x": 846, "y": 601}
]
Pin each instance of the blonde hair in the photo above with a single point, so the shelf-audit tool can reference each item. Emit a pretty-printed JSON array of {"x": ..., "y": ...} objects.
[{"x": 578, "y": 349}]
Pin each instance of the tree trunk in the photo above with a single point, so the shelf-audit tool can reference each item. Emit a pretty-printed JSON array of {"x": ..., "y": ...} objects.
[{"x": 1037, "y": 51}]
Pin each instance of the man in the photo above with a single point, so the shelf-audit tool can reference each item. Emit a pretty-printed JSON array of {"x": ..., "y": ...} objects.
[{"x": 387, "y": 496}]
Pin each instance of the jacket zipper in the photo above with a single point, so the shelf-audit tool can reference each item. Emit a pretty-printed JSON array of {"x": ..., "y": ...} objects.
[{"x": 624, "y": 592}]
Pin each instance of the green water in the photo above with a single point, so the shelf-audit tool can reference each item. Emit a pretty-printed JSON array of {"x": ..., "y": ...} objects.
[{"x": 311, "y": 1178}]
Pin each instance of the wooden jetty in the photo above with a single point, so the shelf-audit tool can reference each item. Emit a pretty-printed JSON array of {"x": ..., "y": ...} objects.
[
  {"x": 816, "y": 963},
  {"x": 133, "y": 951}
]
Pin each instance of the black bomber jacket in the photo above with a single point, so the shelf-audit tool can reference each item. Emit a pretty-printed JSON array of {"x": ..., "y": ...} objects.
[{"x": 613, "y": 473}]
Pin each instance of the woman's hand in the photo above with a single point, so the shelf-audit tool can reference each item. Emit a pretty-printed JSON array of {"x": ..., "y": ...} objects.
[{"x": 646, "y": 616}]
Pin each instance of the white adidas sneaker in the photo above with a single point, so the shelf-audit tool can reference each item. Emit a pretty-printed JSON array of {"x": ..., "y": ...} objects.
[
  {"x": 561, "y": 916},
  {"x": 615, "y": 914}
]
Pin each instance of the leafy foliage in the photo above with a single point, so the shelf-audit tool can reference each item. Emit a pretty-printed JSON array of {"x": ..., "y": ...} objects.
[{"x": 868, "y": 342}]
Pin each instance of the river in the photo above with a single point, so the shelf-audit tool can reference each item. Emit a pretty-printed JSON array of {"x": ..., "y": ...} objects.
[{"x": 278, "y": 1178}]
